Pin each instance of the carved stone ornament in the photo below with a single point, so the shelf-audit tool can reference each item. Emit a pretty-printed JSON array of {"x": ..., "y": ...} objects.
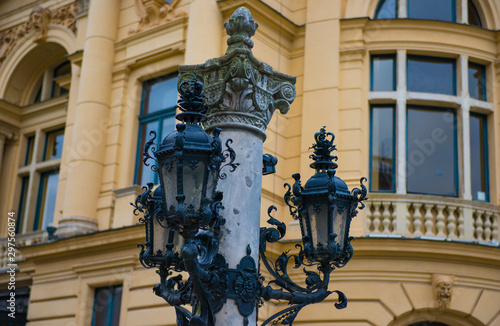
[
  {"x": 38, "y": 23},
  {"x": 443, "y": 287},
  {"x": 155, "y": 12},
  {"x": 241, "y": 92}
]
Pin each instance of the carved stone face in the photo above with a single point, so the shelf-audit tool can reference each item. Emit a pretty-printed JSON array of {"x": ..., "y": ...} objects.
[{"x": 443, "y": 291}]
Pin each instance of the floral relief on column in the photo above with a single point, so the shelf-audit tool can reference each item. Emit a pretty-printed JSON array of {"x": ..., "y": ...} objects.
[
  {"x": 37, "y": 23},
  {"x": 155, "y": 12}
]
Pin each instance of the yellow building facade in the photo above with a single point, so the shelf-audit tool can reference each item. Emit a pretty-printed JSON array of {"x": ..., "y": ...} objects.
[{"x": 410, "y": 88}]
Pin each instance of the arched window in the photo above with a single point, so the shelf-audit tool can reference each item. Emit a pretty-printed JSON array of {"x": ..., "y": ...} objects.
[
  {"x": 387, "y": 9},
  {"x": 444, "y": 10},
  {"x": 50, "y": 82},
  {"x": 474, "y": 18}
]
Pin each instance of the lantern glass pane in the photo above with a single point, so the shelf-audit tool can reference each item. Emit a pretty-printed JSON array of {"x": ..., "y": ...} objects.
[
  {"x": 170, "y": 184},
  {"x": 318, "y": 214},
  {"x": 162, "y": 236},
  {"x": 340, "y": 224},
  {"x": 194, "y": 173},
  {"x": 211, "y": 183}
]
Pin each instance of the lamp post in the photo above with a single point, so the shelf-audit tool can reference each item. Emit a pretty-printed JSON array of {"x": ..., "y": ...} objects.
[{"x": 185, "y": 228}]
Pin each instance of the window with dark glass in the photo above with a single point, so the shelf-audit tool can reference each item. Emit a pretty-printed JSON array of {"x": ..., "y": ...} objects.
[
  {"x": 382, "y": 149},
  {"x": 477, "y": 81},
  {"x": 22, "y": 204},
  {"x": 473, "y": 14},
  {"x": 159, "y": 98},
  {"x": 432, "y": 9},
  {"x": 387, "y": 9},
  {"x": 63, "y": 70},
  {"x": 30, "y": 143},
  {"x": 383, "y": 73},
  {"x": 107, "y": 304},
  {"x": 46, "y": 202},
  {"x": 479, "y": 157},
  {"x": 53, "y": 145},
  {"x": 431, "y": 75},
  {"x": 431, "y": 152}
]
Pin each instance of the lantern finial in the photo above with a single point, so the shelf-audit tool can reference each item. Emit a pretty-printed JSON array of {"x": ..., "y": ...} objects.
[{"x": 322, "y": 150}]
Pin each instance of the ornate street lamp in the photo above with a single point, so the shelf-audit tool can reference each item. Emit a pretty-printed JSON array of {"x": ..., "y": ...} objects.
[{"x": 186, "y": 205}]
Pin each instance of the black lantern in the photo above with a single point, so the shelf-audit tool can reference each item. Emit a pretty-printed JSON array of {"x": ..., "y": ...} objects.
[
  {"x": 189, "y": 161},
  {"x": 325, "y": 207}
]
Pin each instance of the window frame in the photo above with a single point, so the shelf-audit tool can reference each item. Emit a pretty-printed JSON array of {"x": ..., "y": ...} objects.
[
  {"x": 483, "y": 80},
  {"x": 110, "y": 322},
  {"x": 442, "y": 59},
  {"x": 456, "y": 177},
  {"x": 144, "y": 119},
  {"x": 460, "y": 105},
  {"x": 486, "y": 157},
  {"x": 453, "y": 13},
  {"x": 394, "y": 70}
]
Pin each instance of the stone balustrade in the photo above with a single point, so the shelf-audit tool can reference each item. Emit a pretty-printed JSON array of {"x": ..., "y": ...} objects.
[
  {"x": 419, "y": 216},
  {"x": 22, "y": 240}
]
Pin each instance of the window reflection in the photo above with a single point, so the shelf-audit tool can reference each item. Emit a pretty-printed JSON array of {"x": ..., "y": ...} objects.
[
  {"x": 479, "y": 157},
  {"x": 46, "y": 200},
  {"x": 432, "y": 9},
  {"x": 382, "y": 149},
  {"x": 387, "y": 9},
  {"x": 431, "y": 75},
  {"x": 477, "y": 81},
  {"x": 431, "y": 152},
  {"x": 383, "y": 73},
  {"x": 54, "y": 145}
]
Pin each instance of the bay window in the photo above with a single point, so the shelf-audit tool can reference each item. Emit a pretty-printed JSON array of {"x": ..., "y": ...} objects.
[{"x": 431, "y": 135}]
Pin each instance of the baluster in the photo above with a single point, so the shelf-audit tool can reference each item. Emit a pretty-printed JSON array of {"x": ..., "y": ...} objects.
[
  {"x": 494, "y": 228},
  {"x": 369, "y": 218},
  {"x": 408, "y": 219},
  {"x": 417, "y": 220},
  {"x": 479, "y": 225},
  {"x": 440, "y": 221},
  {"x": 386, "y": 221},
  {"x": 428, "y": 220},
  {"x": 376, "y": 218},
  {"x": 452, "y": 224},
  {"x": 461, "y": 234},
  {"x": 487, "y": 226}
]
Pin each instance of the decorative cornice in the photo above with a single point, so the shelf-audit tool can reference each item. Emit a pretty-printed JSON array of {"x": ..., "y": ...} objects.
[
  {"x": 37, "y": 23},
  {"x": 241, "y": 92},
  {"x": 155, "y": 12}
]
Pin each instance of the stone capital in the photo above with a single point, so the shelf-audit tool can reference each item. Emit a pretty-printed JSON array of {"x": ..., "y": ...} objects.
[{"x": 241, "y": 92}]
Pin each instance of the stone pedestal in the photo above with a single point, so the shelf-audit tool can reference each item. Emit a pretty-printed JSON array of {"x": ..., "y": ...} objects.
[{"x": 242, "y": 94}]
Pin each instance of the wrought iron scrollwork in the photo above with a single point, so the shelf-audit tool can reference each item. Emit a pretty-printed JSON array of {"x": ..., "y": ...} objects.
[
  {"x": 150, "y": 146},
  {"x": 316, "y": 289},
  {"x": 228, "y": 153}
]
